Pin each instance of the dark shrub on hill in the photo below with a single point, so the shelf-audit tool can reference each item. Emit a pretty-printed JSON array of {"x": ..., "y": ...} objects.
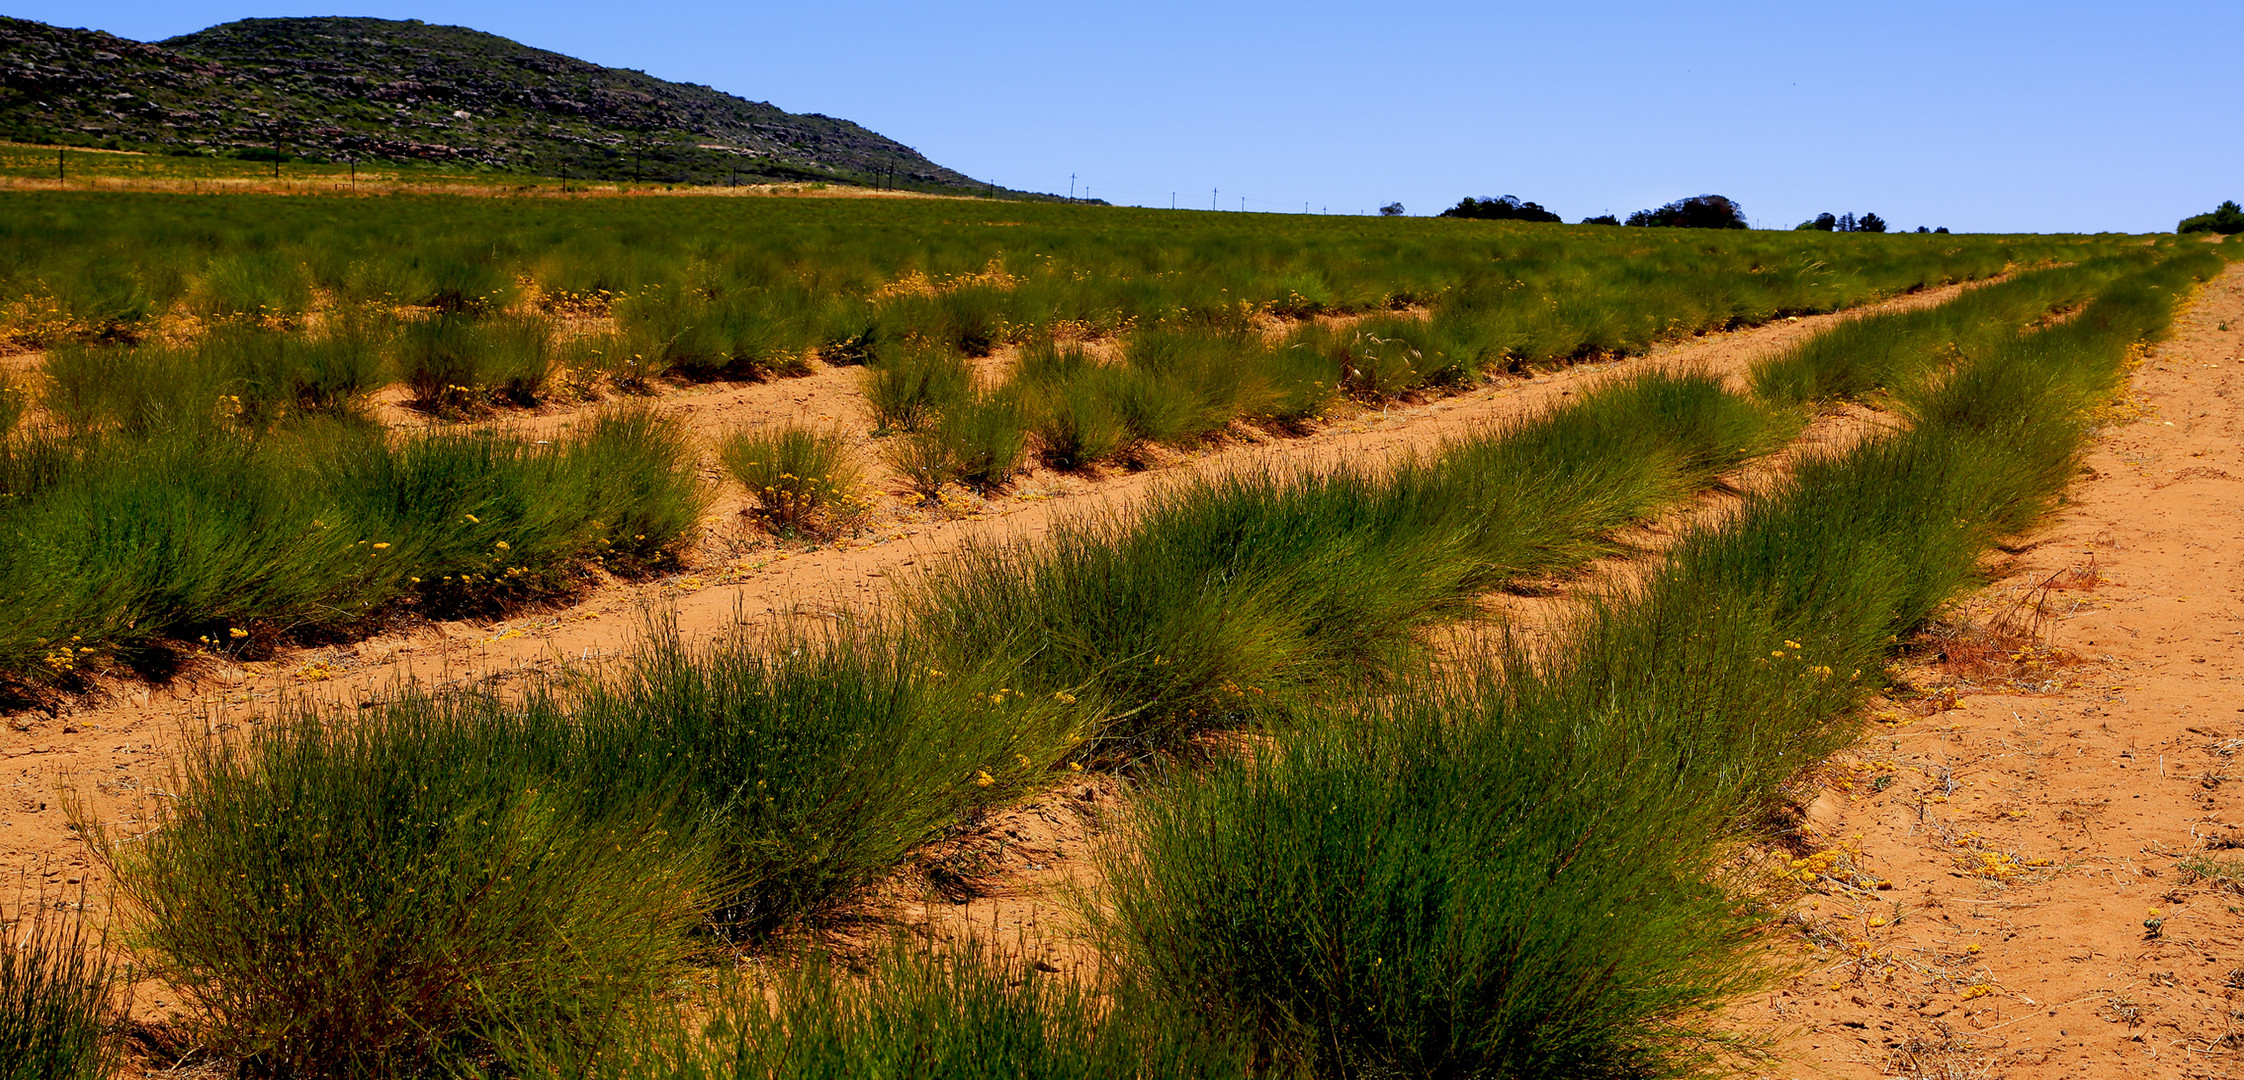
[
  {"x": 1601, "y": 219},
  {"x": 2227, "y": 219},
  {"x": 1696, "y": 212},
  {"x": 1508, "y": 208}
]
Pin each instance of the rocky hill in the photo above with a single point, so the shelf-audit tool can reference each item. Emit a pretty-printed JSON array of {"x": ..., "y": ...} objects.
[{"x": 377, "y": 89}]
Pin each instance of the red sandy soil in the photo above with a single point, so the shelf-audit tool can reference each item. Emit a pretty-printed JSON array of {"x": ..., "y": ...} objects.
[{"x": 1995, "y": 845}]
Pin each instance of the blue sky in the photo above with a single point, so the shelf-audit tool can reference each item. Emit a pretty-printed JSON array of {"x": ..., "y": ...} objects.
[{"x": 1981, "y": 116}]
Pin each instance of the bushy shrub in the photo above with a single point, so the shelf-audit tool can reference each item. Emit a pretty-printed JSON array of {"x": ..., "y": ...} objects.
[
  {"x": 987, "y": 437},
  {"x": 452, "y": 362},
  {"x": 1078, "y": 422},
  {"x": 910, "y": 389},
  {"x": 460, "y": 281},
  {"x": 266, "y": 285},
  {"x": 1440, "y": 885},
  {"x": 380, "y": 897},
  {"x": 799, "y": 479},
  {"x": 15, "y": 402},
  {"x": 124, "y": 543},
  {"x": 810, "y": 764}
]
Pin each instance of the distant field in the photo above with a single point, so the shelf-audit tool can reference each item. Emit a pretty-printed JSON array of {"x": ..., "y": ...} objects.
[
  {"x": 166, "y": 321},
  {"x": 45, "y": 167},
  {"x": 241, "y": 423},
  {"x": 19, "y": 161}
]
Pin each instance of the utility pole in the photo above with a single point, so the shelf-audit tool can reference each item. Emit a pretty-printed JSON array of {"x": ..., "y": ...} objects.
[
  {"x": 276, "y": 157},
  {"x": 1071, "y": 187},
  {"x": 1172, "y": 200},
  {"x": 1212, "y": 193},
  {"x": 1242, "y": 204},
  {"x": 354, "y": 171},
  {"x": 59, "y": 177}
]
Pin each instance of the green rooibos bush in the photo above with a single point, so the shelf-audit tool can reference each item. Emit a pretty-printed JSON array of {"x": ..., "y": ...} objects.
[
  {"x": 56, "y": 991},
  {"x": 396, "y": 893},
  {"x": 254, "y": 285},
  {"x": 452, "y": 362},
  {"x": 907, "y": 391},
  {"x": 1219, "y": 598},
  {"x": 810, "y": 766},
  {"x": 987, "y": 438},
  {"x": 460, "y": 282},
  {"x": 798, "y": 479},
  {"x": 953, "y": 1014},
  {"x": 1439, "y": 886},
  {"x": 1078, "y": 422}
]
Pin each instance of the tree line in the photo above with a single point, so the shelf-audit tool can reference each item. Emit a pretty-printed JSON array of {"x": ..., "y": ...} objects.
[{"x": 1695, "y": 212}]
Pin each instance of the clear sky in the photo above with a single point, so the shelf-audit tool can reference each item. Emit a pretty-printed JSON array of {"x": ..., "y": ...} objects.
[{"x": 1979, "y": 115}]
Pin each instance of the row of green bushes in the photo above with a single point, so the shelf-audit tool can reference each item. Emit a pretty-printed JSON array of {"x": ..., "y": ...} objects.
[
  {"x": 1174, "y": 387},
  {"x": 119, "y": 547},
  {"x": 456, "y": 860},
  {"x": 1898, "y": 352},
  {"x": 756, "y": 782},
  {"x": 1525, "y": 869},
  {"x": 334, "y": 875},
  {"x": 1519, "y": 869},
  {"x": 1196, "y": 360},
  {"x": 824, "y": 272}
]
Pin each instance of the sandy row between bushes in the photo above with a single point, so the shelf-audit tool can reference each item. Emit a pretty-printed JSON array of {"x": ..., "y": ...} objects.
[
  {"x": 2030, "y": 814},
  {"x": 111, "y": 752}
]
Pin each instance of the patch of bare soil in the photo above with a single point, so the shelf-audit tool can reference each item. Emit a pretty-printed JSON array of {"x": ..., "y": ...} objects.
[
  {"x": 112, "y": 750},
  {"x": 2033, "y": 868}
]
